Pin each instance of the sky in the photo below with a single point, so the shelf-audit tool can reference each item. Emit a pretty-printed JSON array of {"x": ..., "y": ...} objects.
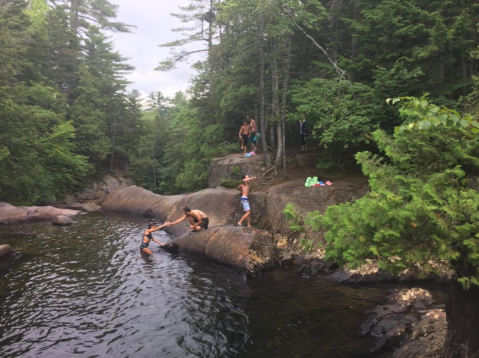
[{"x": 153, "y": 27}]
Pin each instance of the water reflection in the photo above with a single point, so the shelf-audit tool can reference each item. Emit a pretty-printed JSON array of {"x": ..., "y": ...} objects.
[{"x": 86, "y": 291}]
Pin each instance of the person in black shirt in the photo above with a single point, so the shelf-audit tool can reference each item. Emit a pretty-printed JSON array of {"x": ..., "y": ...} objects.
[{"x": 303, "y": 131}]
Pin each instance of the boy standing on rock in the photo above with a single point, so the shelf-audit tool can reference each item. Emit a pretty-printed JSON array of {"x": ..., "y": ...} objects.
[
  {"x": 244, "y": 134},
  {"x": 244, "y": 187},
  {"x": 252, "y": 124}
]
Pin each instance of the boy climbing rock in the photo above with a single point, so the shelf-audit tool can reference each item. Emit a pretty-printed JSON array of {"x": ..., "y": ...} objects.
[{"x": 244, "y": 187}]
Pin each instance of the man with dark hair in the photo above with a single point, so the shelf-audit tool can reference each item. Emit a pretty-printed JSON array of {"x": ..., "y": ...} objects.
[
  {"x": 198, "y": 219},
  {"x": 244, "y": 134},
  {"x": 244, "y": 187},
  {"x": 252, "y": 124}
]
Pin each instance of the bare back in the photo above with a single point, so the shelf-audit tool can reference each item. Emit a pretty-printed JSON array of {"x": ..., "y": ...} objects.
[{"x": 199, "y": 213}]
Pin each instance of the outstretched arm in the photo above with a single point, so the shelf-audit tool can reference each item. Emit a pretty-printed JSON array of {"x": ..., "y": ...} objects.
[
  {"x": 178, "y": 221},
  {"x": 249, "y": 179},
  {"x": 156, "y": 228}
]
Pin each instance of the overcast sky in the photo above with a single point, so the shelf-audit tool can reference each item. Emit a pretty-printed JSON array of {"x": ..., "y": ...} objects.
[{"x": 153, "y": 27}]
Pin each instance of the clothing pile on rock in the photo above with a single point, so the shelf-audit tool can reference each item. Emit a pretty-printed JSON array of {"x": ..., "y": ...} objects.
[
  {"x": 250, "y": 154},
  {"x": 314, "y": 181}
]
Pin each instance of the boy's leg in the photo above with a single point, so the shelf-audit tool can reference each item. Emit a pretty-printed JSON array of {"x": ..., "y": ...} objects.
[
  {"x": 249, "y": 220},
  {"x": 244, "y": 217}
]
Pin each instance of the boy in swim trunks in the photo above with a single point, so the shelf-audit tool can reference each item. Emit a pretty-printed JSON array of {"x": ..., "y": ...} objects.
[
  {"x": 244, "y": 187},
  {"x": 252, "y": 124},
  {"x": 244, "y": 134},
  {"x": 198, "y": 219}
]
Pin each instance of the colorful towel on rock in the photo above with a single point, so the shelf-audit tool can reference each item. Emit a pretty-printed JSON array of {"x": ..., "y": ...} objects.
[{"x": 315, "y": 182}]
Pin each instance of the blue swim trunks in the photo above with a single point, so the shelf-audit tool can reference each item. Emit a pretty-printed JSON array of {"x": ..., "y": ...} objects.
[{"x": 245, "y": 202}]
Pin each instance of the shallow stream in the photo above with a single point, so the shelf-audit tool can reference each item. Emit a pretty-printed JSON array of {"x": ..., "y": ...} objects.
[{"x": 85, "y": 291}]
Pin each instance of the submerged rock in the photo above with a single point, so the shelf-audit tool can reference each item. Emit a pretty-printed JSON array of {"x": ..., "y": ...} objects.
[
  {"x": 246, "y": 250},
  {"x": 10, "y": 214},
  {"x": 62, "y": 220},
  {"x": 5, "y": 250}
]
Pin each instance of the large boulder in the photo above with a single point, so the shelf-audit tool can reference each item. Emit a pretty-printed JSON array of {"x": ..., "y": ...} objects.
[
  {"x": 5, "y": 250},
  {"x": 409, "y": 324},
  {"x": 309, "y": 199},
  {"x": 10, "y": 214},
  {"x": 223, "y": 168},
  {"x": 96, "y": 193},
  {"x": 222, "y": 205},
  {"x": 234, "y": 166},
  {"x": 246, "y": 250}
]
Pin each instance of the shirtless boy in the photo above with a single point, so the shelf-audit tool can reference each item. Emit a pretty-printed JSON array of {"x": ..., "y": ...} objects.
[
  {"x": 252, "y": 124},
  {"x": 244, "y": 187},
  {"x": 198, "y": 219},
  {"x": 244, "y": 134}
]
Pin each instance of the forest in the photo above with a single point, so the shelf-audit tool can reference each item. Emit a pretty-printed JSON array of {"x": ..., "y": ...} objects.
[
  {"x": 387, "y": 86},
  {"x": 67, "y": 117}
]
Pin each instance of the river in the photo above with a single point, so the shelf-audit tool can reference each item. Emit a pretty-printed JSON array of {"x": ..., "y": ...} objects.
[{"x": 85, "y": 291}]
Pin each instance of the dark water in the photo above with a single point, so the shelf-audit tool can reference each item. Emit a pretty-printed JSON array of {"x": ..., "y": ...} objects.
[{"x": 85, "y": 291}]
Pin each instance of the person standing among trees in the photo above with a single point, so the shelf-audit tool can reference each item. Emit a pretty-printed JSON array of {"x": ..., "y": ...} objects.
[
  {"x": 252, "y": 124},
  {"x": 244, "y": 187},
  {"x": 244, "y": 134},
  {"x": 303, "y": 131}
]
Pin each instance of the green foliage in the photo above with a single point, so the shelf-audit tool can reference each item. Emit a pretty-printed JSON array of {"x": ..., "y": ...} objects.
[
  {"x": 235, "y": 178},
  {"x": 294, "y": 217},
  {"x": 421, "y": 209},
  {"x": 342, "y": 114}
]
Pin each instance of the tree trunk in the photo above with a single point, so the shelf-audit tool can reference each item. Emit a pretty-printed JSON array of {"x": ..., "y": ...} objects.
[
  {"x": 275, "y": 100},
  {"x": 354, "y": 40},
  {"x": 287, "y": 65},
  {"x": 264, "y": 143},
  {"x": 113, "y": 145},
  {"x": 462, "y": 312}
]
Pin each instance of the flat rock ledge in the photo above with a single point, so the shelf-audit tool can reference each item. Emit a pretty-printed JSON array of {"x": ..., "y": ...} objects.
[
  {"x": 408, "y": 324},
  {"x": 247, "y": 250},
  {"x": 10, "y": 214}
]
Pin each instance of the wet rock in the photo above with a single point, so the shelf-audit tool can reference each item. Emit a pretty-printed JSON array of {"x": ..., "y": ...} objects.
[
  {"x": 5, "y": 250},
  {"x": 309, "y": 199},
  {"x": 246, "y": 250},
  {"x": 12, "y": 215},
  {"x": 62, "y": 220},
  {"x": 367, "y": 273},
  {"x": 86, "y": 208},
  {"x": 408, "y": 324}
]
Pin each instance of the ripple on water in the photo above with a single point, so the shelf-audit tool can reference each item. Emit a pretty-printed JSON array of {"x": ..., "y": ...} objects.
[{"x": 85, "y": 290}]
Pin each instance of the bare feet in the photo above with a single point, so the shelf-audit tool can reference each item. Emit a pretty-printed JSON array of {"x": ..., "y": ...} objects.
[
  {"x": 240, "y": 223},
  {"x": 249, "y": 227}
]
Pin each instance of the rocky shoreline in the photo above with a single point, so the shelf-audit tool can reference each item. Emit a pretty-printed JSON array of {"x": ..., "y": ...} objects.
[{"x": 408, "y": 323}]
